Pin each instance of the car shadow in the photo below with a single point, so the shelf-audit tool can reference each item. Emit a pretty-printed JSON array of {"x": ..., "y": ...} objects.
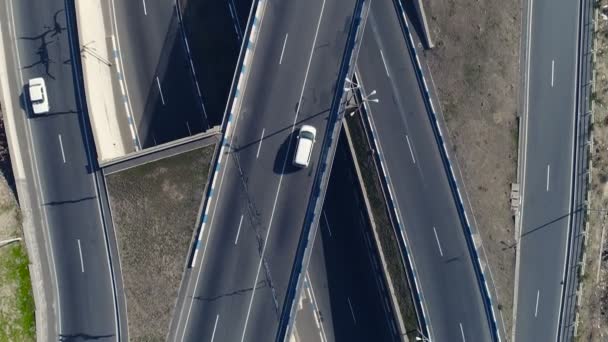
[{"x": 283, "y": 161}]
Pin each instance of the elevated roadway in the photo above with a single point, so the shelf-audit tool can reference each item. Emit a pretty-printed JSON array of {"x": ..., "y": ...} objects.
[
  {"x": 345, "y": 296},
  {"x": 237, "y": 290}
]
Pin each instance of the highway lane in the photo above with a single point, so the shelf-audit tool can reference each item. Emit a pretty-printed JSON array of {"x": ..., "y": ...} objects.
[
  {"x": 238, "y": 288},
  {"x": 547, "y": 174},
  {"x": 345, "y": 298},
  {"x": 60, "y": 168},
  {"x": 215, "y": 31},
  {"x": 452, "y": 295},
  {"x": 159, "y": 84}
]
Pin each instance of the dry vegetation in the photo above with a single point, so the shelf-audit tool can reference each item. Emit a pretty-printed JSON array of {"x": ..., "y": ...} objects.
[
  {"x": 475, "y": 66},
  {"x": 154, "y": 208},
  {"x": 17, "y": 322},
  {"x": 17, "y": 311},
  {"x": 593, "y": 309}
]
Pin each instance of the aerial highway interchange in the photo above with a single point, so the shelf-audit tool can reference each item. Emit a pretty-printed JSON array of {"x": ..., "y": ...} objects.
[{"x": 264, "y": 263}]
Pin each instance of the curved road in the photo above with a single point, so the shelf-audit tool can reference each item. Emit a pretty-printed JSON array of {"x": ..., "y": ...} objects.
[
  {"x": 452, "y": 297},
  {"x": 60, "y": 170}
]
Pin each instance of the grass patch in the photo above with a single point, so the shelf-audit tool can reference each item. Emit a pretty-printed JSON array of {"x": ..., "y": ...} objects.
[
  {"x": 386, "y": 231},
  {"x": 154, "y": 208},
  {"x": 17, "y": 311}
]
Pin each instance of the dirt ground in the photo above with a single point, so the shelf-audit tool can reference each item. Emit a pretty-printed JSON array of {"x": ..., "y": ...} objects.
[
  {"x": 154, "y": 209},
  {"x": 475, "y": 67},
  {"x": 593, "y": 309}
]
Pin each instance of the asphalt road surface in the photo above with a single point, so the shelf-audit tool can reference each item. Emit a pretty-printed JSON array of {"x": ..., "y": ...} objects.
[
  {"x": 159, "y": 82},
  {"x": 552, "y": 50},
  {"x": 344, "y": 297},
  {"x": 238, "y": 287},
  {"x": 215, "y": 31},
  {"x": 60, "y": 168},
  {"x": 452, "y": 296}
]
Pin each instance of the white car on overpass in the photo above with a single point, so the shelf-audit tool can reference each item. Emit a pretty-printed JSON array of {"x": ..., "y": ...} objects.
[
  {"x": 306, "y": 140},
  {"x": 38, "y": 95}
]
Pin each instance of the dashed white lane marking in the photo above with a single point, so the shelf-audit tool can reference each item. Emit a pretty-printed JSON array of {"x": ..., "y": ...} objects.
[
  {"x": 276, "y": 198},
  {"x": 352, "y": 312},
  {"x": 238, "y": 231},
  {"x": 80, "y": 253},
  {"x": 548, "y": 175},
  {"x": 162, "y": 98},
  {"x": 410, "y": 146},
  {"x": 552, "y": 71},
  {"x": 61, "y": 147},
  {"x": 437, "y": 239},
  {"x": 260, "y": 146},
  {"x": 462, "y": 333},
  {"x": 145, "y": 10},
  {"x": 327, "y": 223},
  {"x": 536, "y": 307},
  {"x": 217, "y": 318},
  {"x": 384, "y": 62},
  {"x": 283, "y": 50}
]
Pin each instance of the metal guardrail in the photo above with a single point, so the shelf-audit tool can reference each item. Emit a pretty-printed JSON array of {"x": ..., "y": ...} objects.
[
  {"x": 581, "y": 176},
  {"x": 238, "y": 83},
  {"x": 451, "y": 179}
]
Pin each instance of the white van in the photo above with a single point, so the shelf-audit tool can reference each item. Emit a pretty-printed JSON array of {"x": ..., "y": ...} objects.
[{"x": 304, "y": 144}]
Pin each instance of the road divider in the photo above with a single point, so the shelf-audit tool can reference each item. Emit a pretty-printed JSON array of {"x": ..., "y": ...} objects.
[
  {"x": 370, "y": 130},
  {"x": 328, "y": 149}
]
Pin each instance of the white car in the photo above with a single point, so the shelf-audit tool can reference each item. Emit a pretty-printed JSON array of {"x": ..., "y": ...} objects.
[
  {"x": 305, "y": 142},
  {"x": 38, "y": 95}
]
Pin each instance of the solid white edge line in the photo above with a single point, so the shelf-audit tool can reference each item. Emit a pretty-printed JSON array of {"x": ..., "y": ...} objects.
[
  {"x": 12, "y": 27},
  {"x": 295, "y": 119},
  {"x": 61, "y": 147},
  {"x": 410, "y": 146},
  {"x": 238, "y": 231},
  {"x": 283, "y": 50},
  {"x": 160, "y": 90},
  {"x": 571, "y": 166},
  {"x": 260, "y": 146},
  {"x": 80, "y": 253},
  {"x": 215, "y": 327},
  {"x": 524, "y": 168},
  {"x": 437, "y": 239}
]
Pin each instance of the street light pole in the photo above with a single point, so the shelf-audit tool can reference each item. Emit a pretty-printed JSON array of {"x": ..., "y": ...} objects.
[{"x": 353, "y": 86}]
